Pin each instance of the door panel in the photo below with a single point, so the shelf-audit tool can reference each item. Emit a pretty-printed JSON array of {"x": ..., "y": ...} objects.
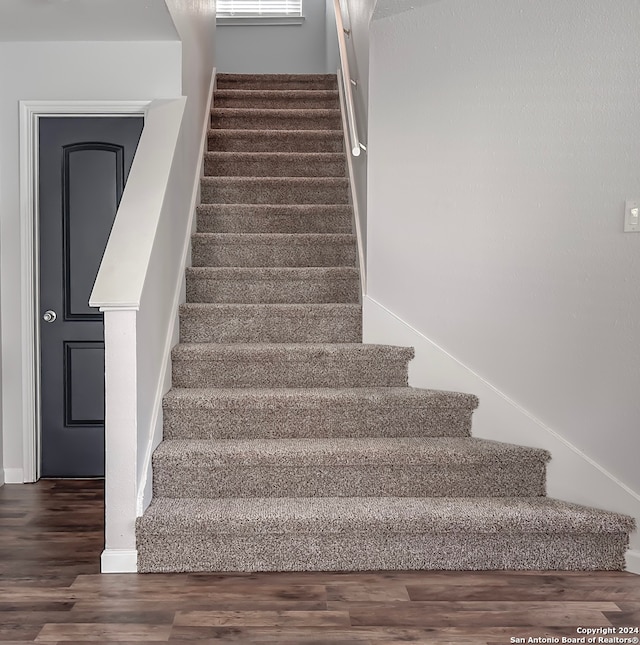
[
  {"x": 88, "y": 217},
  {"x": 83, "y": 165},
  {"x": 84, "y": 383}
]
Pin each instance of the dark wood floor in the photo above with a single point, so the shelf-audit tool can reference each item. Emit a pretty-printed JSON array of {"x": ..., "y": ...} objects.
[{"x": 51, "y": 592}]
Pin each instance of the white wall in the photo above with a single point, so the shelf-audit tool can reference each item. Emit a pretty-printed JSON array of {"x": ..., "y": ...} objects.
[
  {"x": 503, "y": 141},
  {"x": 56, "y": 71},
  {"x": 72, "y": 20},
  {"x": 275, "y": 49}
]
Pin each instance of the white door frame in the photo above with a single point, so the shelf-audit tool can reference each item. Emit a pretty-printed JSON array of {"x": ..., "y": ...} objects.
[{"x": 30, "y": 113}]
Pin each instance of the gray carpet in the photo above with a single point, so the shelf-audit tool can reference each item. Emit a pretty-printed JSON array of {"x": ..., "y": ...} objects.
[{"x": 288, "y": 444}]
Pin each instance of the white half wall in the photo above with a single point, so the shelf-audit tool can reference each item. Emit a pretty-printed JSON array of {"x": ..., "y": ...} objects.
[
  {"x": 503, "y": 142},
  {"x": 164, "y": 185},
  {"x": 571, "y": 475},
  {"x": 275, "y": 49},
  {"x": 165, "y": 286}
]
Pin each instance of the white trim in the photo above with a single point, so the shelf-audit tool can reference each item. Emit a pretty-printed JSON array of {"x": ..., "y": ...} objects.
[
  {"x": 13, "y": 476},
  {"x": 352, "y": 189},
  {"x": 512, "y": 403},
  {"x": 257, "y": 21},
  {"x": 30, "y": 302},
  {"x": 571, "y": 475},
  {"x": 30, "y": 112},
  {"x": 119, "y": 561},
  {"x": 1, "y": 477},
  {"x": 145, "y": 479},
  {"x": 132, "y": 306},
  {"x": 633, "y": 561}
]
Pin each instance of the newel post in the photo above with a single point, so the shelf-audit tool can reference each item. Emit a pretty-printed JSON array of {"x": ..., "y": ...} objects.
[{"x": 120, "y": 554}]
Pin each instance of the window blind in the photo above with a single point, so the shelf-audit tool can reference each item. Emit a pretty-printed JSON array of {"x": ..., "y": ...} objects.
[{"x": 255, "y": 8}]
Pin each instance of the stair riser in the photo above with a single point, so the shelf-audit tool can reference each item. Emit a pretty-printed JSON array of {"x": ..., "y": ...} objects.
[
  {"x": 322, "y": 100},
  {"x": 322, "y": 290},
  {"x": 264, "y": 141},
  {"x": 319, "y": 371},
  {"x": 229, "y": 191},
  {"x": 276, "y": 121},
  {"x": 226, "y": 218},
  {"x": 271, "y": 327},
  {"x": 276, "y": 84},
  {"x": 309, "y": 551},
  {"x": 297, "y": 420},
  {"x": 214, "y": 254},
  {"x": 295, "y": 166},
  {"x": 206, "y": 478}
]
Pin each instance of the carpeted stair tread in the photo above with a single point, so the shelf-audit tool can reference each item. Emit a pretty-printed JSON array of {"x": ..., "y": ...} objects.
[
  {"x": 276, "y": 119},
  {"x": 245, "y": 140},
  {"x": 407, "y": 515},
  {"x": 270, "y": 323},
  {"x": 294, "y": 351},
  {"x": 289, "y": 365},
  {"x": 345, "y": 451},
  {"x": 321, "y": 397},
  {"x": 275, "y": 218},
  {"x": 274, "y": 164},
  {"x": 260, "y": 98},
  {"x": 271, "y": 285},
  {"x": 273, "y": 250},
  {"x": 277, "y": 81},
  {"x": 377, "y": 533},
  {"x": 347, "y": 467},
  {"x": 275, "y": 190},
  {"x": 196, "y": 413}
]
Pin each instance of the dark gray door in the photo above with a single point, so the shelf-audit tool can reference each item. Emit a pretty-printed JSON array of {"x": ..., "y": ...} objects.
[{"x": 83, "y": 166}]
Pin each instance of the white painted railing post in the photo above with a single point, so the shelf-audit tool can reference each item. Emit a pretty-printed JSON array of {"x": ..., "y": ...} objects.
[{"x": 121, "y": 440}]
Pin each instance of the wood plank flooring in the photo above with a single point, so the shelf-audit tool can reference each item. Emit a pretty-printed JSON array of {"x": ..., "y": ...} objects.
[{"x": 51, "y": 592}]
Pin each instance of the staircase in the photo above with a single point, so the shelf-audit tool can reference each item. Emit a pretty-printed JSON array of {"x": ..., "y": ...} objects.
[{"x": 290, "y": 445}]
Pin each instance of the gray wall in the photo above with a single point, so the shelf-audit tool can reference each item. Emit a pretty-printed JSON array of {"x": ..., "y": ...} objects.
[
  {"x": 503, "y": 141},
  {"x": 331, "y": 55},
  {"x": 45, "y": 20},
  {"x": 284, "y": 49}
]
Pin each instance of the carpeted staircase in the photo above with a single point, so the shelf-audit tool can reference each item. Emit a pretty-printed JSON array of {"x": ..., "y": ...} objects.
[{"x": 290, "y": 445}]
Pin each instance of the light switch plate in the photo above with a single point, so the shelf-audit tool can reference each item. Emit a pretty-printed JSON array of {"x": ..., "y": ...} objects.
[{"x": 632, "y": 216}]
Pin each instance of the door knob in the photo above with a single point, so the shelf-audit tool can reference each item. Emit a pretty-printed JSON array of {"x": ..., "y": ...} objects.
[{"x": 49, "y": 316}]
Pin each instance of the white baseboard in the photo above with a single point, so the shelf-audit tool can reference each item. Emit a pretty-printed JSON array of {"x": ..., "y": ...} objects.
[
  {"x": 571, "y": 475},
  {"x": 119, "y": 561},
  {"x": 13, "y": 476},
  {"x": 633, "y": 561},
  {"x": 144, "y": 494}
]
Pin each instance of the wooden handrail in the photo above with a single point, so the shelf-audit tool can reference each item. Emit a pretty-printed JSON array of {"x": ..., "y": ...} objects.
[{"x": 347, "y": 82}]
